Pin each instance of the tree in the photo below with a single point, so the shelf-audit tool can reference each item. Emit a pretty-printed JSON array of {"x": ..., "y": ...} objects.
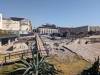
[
  {"x": 91, "y": 32},
  {"x": 65, "y": 34}
]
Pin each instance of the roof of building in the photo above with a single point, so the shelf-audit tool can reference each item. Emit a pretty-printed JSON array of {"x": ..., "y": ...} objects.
[
  {"x": 51, "y": 26},
  {"x": 14, "y": 18}
]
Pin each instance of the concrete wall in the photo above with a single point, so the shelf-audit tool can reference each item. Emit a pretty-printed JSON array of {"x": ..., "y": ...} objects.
[
  {"x": 26, "y": 25},
  {"x": 94, "y": 28},
  {"x": 15, "y": 24},
  {"x": 10, "y": 25},
  {"x": 20, "y": 46}
]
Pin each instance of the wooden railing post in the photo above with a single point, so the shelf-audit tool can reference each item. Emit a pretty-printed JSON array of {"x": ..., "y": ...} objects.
[
  {"x": 9, "y": 56},
  {"x": 22, "y": 56},
  {"x": 5, "y": 59}
]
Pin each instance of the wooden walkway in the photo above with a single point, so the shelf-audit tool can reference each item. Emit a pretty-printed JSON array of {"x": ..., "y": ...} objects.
[
  {"x": 15, "y": 56},
  {"x": 41, "y": 48}
]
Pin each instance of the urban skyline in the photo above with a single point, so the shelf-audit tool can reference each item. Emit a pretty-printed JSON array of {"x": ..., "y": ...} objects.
[
  {"x": 49, "y": 37},
  {"x": 62, "y": 12}
]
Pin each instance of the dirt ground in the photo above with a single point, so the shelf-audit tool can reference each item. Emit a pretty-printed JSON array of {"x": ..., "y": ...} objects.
[
  {"x": 69, "y": 66},
  {"x": 72, "y": 65}
]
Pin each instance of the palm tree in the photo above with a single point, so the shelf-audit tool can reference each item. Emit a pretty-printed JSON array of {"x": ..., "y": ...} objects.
[{"x": 36, "y": 66}]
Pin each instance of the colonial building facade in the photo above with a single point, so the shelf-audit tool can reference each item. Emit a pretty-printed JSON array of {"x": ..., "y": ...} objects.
[
  {"x": 48, "y": 29},
  {"x": 15, "y": 24}
]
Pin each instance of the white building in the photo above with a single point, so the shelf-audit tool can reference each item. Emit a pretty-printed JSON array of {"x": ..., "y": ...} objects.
[
  {"x": 94, "y": 28},
  {"x": 48, "y": 29},
  {"x": 15, "y": 24},
  {"x": 0, "y": 21},
  {"x": 25, "y": 26},
  {"x": 9, "y": 24},
  {"x": 85, "y": 29}
]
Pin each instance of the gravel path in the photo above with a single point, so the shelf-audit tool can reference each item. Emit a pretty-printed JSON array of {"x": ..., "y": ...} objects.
[{"x": 88, "y": 51}]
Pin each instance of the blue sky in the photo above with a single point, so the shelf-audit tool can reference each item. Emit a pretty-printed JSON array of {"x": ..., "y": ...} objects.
[{"x": 68, "y": 13}]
